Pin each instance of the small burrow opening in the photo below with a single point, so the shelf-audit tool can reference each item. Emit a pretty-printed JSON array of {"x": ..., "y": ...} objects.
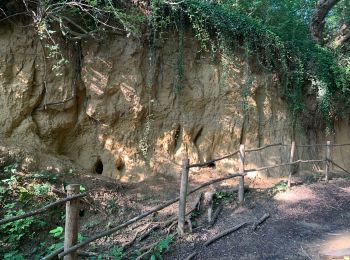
[
  {"x": 120, "y": 164},
  {"x": 98, "y": 167}
]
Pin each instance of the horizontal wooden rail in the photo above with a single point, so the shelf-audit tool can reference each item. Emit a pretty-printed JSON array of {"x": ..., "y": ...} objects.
[
  {"x": 204, "y": 164},
  {"x": 283, "y": 164},
  {"x": 42, "y": 210},
  {"x": 312, "y": 145},
  {"x": 139, "y": 217},
  {"x": 264, "y": 147},
  {"x": 339, "y": 144},
  {"x": 337, "y": 165},
  {"x": 160, "y": 207}
]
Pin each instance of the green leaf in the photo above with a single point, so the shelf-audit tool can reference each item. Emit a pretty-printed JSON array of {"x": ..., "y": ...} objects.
[
  {"x": 56, "y": 232},
  {"x": 82, "y": 188}
]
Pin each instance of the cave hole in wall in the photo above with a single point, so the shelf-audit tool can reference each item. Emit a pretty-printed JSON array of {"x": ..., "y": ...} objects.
[
  {"x": 120, "y": 164},
  {"x": 98, "y": 167}
]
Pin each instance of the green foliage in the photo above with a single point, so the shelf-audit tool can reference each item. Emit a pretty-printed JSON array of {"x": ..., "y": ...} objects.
[
  {"x": 56, "y": 232},
  {"x": 17, "y": 193},
  {"x": 280, "y": 186},
  {"x": 226, "y": 197},
  {"x": 11, "y": 169},
  {"x": 263, "y": 29},
  {"x": 14, "y": 232},
  {"x": 161, "y": 247},
  {"x": 14, "y": 255},
  {"x": 116, "y": 252}
]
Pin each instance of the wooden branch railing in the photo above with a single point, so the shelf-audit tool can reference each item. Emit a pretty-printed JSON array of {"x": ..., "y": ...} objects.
[
  {"x": 185, "y": 168},
  {"x": 337, "y": 165},
  {"x": 43, "y": 209},
  {"x": 68, "y": 251},
  {"x": 204, "y": 164},
  {"x": 312, "y": 145},
  {"x": 143, "y": 215}
]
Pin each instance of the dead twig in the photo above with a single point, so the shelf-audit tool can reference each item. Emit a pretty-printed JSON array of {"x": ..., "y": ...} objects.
[
  {"x": 260, "y": 221},
  {"x": 191, "y": 256},
  {"x": 87, "y": 254},
  {"x": 148, "y": 232},
  {"x": 305, "y": 253},
  {"x": 225, "y": 233},
  {"x": 215, "y": 216}
]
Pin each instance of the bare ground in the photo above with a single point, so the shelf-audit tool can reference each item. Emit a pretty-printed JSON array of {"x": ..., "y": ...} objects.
[{"x": 308, "y": 222}]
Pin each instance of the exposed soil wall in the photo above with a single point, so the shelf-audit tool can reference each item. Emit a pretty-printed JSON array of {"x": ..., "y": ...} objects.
[{"x": 118, "y": 113}]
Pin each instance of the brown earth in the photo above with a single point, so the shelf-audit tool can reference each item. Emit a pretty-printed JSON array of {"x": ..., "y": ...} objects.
[
  {"x": 308, "y": 222},
  {"x": 111, "y": 108}
]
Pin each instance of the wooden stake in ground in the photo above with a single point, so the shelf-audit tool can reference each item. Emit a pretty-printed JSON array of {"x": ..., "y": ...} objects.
[
  {"x": 292, "y": 149},
  {"x": 328, "y": 157},
  {"x": 241, "y": 171},
  {"x": 183, "y": 194},
  {"x": 71, "y": 225}
]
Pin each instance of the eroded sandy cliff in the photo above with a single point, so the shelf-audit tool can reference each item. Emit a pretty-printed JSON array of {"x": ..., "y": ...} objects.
[{"x": 118, "y": 112}]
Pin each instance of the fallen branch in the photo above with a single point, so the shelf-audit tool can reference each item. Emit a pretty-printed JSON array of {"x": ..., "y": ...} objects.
[
  {"x": 148, "y": 232},
  {"x": 215, "y": 216},
  {"x": 191, "y": 256},
  {"x": 225, "y": 233},
  {"x": 53, "y": 254},
  {"x": 260, "y": 221},
  {"x": 139, "y": 217},
  {"x": 128, "y": 244},
  {"x": 149, "y": 249},
  {"x": 42, "y": 210},
  {"x": 87, "y": 254}
]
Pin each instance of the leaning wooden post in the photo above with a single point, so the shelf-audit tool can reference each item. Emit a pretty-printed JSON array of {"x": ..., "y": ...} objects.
[
  {"x": 292, "y": 150},
  {"x": 71, "y": 225},
  {"x": 241, "y": 171},
  {"x": 328, "y": 157},
  {"x": 183, "y": 194}
]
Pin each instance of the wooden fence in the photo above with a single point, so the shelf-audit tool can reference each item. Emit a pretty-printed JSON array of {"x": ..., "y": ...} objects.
[{"x": 70, "y": 248}]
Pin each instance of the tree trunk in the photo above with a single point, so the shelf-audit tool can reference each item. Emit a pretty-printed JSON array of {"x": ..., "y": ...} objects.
[{"x": 318, "y": 19}]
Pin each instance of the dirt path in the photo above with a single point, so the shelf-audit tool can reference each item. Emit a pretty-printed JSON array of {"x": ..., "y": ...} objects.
[{"x": 306, "y": 221}]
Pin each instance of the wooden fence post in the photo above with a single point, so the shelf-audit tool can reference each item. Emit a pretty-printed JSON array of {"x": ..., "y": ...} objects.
[
  {"x": 291, "y": 168},
  {"x": 328, "y": 157},
  {"x": 71, "y": 225},
  {"x": 183, "y": 194},
  {"x": 241, "y": 171}
]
